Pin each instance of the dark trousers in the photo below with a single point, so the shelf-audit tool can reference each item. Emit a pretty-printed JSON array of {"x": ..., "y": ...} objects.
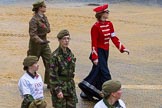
[
  {"x": 97, "y": 76},
  {"x": 43, "y": 51}
]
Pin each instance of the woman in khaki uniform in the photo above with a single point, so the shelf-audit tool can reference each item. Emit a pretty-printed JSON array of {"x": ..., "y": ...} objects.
[{"x": 38, "y": 29}]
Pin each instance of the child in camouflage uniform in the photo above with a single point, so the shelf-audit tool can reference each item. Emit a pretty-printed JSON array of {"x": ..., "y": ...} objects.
[{"x": 62, "y": 68}]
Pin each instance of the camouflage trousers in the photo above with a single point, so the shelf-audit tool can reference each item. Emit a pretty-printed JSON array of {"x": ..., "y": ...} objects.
[
  {"x": 43, "y": 51},
  {"x": 66, "y": 102}
]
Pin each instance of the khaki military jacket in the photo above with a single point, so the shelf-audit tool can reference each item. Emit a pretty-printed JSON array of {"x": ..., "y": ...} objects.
[{"x": 38, "y": 28}]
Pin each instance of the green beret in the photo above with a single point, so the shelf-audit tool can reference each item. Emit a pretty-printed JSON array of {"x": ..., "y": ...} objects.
[
  {"x": 111, "y": 86},
  {"x": 30, "y": 60},
  {"x": 38, "y": 4},
  {"x": 62, "y": 33}
]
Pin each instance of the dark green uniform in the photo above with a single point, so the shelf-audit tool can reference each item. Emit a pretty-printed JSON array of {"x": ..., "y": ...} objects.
[
  {"x": 62, "y": 68},
  {"x": 38, "y": 45}
]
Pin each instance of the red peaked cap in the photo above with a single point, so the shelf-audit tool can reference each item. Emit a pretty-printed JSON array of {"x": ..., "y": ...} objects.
[{"x": 101, "y": 8}]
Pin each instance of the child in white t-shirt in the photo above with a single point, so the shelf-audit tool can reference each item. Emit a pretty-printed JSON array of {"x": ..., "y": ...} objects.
[{"x": 31, "y": 85}]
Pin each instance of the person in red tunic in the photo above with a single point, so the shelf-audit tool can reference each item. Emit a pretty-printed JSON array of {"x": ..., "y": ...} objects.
[{"x": 101, "y": 32}]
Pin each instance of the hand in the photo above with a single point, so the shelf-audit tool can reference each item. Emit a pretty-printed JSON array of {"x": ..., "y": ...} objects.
[
  {"x": 95, "y": 62},
  {"x": 45, "y": 42},
  {"x": 127, "y": 51},
  {"x": 60, "y": 95}
]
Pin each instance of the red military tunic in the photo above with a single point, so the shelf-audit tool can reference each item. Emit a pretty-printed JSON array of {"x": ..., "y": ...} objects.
[{"x": 101, "y": 33}]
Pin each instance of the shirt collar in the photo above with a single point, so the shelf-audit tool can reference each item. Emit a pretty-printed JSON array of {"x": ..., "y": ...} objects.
[
  {"x": 33, "y": 76},
  {"x": 116, "y": 104},
  {"x": 61, "y": 51},
  {"x": 107, "y": 104},
  {"x": 41, "y": 15}
]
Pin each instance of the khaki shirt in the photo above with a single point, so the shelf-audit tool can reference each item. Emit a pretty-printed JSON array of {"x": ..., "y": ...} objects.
[{"x": 38, "y": 28}]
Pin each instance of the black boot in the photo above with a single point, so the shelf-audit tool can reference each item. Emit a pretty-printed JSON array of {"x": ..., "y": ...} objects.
[{"x": 48, "y": 86}]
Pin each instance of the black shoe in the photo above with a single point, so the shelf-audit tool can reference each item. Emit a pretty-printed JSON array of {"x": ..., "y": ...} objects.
[
  {"x": 83, "y": 95},
  {"x": 88, "y": 98},
  {"x": 88, "y": 93},
  {"x": 48, "y": 87}
]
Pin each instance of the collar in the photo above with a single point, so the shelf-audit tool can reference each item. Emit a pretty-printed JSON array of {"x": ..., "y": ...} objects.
[
  {"x": 102, "y": 22},
  {"x": 61, "y": 50},
  {"x": 31, "y": 75},
  {"x": 116, "y": 104},
  {"x": 107, "y": 104},
  {"x": 41, "y": 15}
]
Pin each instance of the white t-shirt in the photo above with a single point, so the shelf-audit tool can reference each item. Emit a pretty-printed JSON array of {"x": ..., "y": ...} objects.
[
  {"x": 32, "y": 86},
  {"x": 101, "y": 104}
]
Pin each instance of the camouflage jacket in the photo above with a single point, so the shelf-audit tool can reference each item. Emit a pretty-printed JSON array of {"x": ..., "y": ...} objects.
[
  {"x": 38, "y": 28},
  {"x": 62, "y": 68}
]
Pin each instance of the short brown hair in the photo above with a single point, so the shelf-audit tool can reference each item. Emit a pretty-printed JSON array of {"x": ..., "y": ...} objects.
[
  {"x": 36, "y": 9},
  {"x": 99, "y": 15},
  {"x": 25, "y": 68}
]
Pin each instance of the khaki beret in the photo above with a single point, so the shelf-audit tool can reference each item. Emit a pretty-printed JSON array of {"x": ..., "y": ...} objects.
[
  {"x": 30, "y": 60},
  {"x": 111, "y": 86},
  {"x": 38, "y": 4},
  {"x": 62, "y": 33}
]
